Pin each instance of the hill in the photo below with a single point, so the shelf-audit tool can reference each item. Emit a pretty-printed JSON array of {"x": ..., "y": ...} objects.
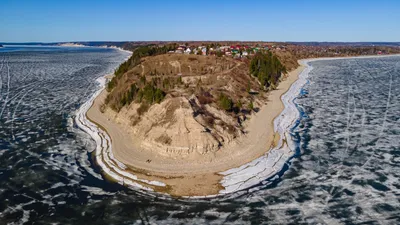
[{"x": 180, "y": 103}]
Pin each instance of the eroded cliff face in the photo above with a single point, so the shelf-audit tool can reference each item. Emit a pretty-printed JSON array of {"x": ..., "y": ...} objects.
[
  {"x": 191, "y": 118},
  {"x": 176, "y": 127}
]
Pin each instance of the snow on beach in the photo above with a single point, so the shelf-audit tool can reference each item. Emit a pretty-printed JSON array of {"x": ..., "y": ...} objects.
[
  {"x": 103, "y": 152},
  {"x": 235, "y": 179},
  {"x": 272, "y": 162},
  {"x": 104, "y": 156}
]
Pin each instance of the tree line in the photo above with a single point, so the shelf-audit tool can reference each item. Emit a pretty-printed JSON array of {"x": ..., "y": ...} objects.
[
  {"x": 267, "y": 68},
  {"x": 134, "y": 60}
]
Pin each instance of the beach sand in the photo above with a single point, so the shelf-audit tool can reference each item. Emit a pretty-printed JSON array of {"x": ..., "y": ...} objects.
[{"x": 194, "y": 174}]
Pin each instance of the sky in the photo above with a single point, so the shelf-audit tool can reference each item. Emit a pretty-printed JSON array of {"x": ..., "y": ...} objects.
[{"x": 177, "y": 20}]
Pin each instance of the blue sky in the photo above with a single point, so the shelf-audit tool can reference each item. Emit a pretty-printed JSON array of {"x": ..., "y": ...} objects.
[{"x": 278, "y": 20}]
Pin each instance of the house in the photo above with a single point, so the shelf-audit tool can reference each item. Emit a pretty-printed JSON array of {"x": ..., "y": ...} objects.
[
  {"x": 245, "y": 53},
  {"x": 228, "y": 53},
  {"x": 188, "y": 51},
  {"x": 224, "y": 48},
  {"x": 179, "y": 51},
  {"x": 204, "y": 51}
]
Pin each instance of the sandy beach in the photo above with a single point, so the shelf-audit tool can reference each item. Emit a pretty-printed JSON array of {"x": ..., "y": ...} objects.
[
  {"x": 251, "y": 159},
  {"x": 193, "y": 175}
]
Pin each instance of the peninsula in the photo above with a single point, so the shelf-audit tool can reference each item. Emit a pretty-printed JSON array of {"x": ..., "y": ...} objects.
[{"x": 179, "y": 115}]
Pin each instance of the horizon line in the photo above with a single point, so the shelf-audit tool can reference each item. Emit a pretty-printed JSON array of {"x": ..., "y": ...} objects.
[{"x": 55, "y": 42}]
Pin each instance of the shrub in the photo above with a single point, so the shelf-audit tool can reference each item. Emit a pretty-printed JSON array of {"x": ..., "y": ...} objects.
[
  {"x": 225, "y": 102},
  {"x": 142, "y": 108},
  {"x": 158, "y": 96},
  {"x": 204, "y": 100},
  {"x": 239, "y": 104},
  {"x": 179, "y": 80},
  {"x": 139, "y": 96},
  {"x": 152, "y": 94},
  {"x": 148, "y": 93},
  {"x": 250, "y": 106},
  {"x": 111, "y": 84},
  {"x": 143, "y": 80},
  {"x": 209, "y": 120},
  {"x": 205, "y": 97}
]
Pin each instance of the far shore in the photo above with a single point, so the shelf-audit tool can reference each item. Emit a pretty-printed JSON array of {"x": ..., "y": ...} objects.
[{"x": 196, "y": 175}]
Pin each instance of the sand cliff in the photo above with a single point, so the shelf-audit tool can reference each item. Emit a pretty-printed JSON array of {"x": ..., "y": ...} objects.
[{"x": 195, "y": 174}]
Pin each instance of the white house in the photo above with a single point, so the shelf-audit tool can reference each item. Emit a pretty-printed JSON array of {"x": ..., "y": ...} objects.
[
  {"x": 188, "y": 51},
  {"x": 204, "y": 50},
  {"x": 224, "y": 48}
]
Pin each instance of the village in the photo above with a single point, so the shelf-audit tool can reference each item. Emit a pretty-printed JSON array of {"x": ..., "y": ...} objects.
[
  {"x": 245, "y": 50},
  {"x": 235, "y": 51}
]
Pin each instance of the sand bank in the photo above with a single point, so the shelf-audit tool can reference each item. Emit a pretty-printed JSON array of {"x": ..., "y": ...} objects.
[
  {"x": 259, "y": 155},
  {"x": 120, "y": 156}
]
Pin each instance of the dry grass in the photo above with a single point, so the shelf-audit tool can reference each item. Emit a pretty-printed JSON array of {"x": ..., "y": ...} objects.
[
  {"x": 164, "y": 139},
  {"x": 144, "y": 107}
]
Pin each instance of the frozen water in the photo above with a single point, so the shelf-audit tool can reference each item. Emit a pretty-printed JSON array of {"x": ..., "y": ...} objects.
[{"x": 345, "y": 171}]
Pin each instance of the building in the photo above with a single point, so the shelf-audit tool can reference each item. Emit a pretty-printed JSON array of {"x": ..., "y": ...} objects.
[
  {"x": 224, "y": 48},
  {"x": 188, "y": 51},
  {"x": 204, "y": 51}
]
